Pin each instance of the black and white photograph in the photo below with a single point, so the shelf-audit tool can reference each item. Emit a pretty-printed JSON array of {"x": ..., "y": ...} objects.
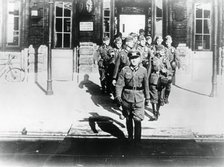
[{"x": 119, "y": 83}]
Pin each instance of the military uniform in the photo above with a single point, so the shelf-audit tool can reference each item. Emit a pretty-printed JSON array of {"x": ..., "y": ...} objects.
[
  {"x": 159, "y": 77},
  {"x": 104, "y": 60},
  {"x": 132, "y": 88},
  {"x": 172, "y": 56},
  {"x": 121, "y": 61}
]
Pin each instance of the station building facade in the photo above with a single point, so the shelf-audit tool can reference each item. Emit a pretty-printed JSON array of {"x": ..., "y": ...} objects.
[{"x": 196, "y": 24}]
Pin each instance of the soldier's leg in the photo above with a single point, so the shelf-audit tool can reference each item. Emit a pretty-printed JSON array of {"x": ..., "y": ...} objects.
[
  {"x": 138, "y": 116},
  {"x": 154, "y": 100},
  {"x": 138, "y": 130},
  {"x": 129, "y": 121},
  {"x": 167, "y": 93},
  {"x": 129, "y": 124}
]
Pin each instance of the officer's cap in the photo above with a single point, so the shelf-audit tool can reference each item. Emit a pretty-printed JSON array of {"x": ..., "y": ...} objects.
[
  {"x": 134, "y": 54},
  {"x": 106, "y": 38}
]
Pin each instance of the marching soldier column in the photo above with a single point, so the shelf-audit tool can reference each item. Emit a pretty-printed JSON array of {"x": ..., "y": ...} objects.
[{"x": 137, "y": 73}]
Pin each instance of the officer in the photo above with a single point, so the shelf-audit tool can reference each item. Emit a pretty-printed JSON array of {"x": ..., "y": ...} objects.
[
  {"x": 132, "y": 91},
  {"x": 172, "y": 56},
  {"x": 122, "y": 58},
  {"x": 104, "y": 58}
]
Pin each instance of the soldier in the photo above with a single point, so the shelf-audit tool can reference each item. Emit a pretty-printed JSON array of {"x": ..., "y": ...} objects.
[
  {"x": 132, "y": 91},
  {"x": 146, "y": 53},
  {"x": 158, "y": 78},
  {"x": 174, "y": 62},
  {"x": 117, "y": 48},
  {"x": 104, "y": 58},
  {"x": 135, "y": 39},
  {"x": 122, "y": 58},
  {"x": 149, "y": 42},
  {"x": 141, "y": 32}
]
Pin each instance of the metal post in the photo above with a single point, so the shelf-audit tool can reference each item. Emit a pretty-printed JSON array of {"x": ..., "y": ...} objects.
[
  {"x": 49, "y": 57},
  {"x": 215, "y": 56}
]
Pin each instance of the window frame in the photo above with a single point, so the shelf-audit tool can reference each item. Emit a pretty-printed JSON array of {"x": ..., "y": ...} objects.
[
  {"x": 108, "y": 18},
  {"x": 4, "y": 46},
  {"x": 195, "y": 19},
  {"x": 63, "y": 32}
]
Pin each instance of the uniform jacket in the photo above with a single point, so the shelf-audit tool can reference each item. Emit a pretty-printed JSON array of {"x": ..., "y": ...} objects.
[
  {"x": 173, "y": 55},
  {"x": 104, "y": 57},
  {"x": 160, "y": 66},
  {"x": 132, "y": 85},
  {"x": 121, "y": 61}
]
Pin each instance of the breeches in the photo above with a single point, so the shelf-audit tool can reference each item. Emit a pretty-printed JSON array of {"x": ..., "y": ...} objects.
[{"x": 136, "y": 110}]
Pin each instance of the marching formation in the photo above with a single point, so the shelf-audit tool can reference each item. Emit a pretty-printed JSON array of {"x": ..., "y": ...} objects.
[{"x": 138, "y": 72}]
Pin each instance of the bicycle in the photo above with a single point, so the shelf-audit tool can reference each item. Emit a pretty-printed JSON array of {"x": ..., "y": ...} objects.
[{"x": 12, "y": 74}]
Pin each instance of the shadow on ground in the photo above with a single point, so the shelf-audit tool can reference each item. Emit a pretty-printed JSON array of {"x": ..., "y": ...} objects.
[
  {"x": 106, "y": 124},
  {"x": 102, "y": 99}
]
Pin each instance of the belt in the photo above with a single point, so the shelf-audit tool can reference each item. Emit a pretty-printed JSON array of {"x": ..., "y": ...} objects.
[{"x": 133, "y": 88}]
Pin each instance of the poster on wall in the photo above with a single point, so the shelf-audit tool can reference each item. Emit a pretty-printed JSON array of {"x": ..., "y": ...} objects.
[{"x": 86, "y": 26}]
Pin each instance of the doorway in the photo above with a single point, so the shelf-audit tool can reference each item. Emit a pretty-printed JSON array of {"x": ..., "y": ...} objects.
[{"x": 131, "y": 23}]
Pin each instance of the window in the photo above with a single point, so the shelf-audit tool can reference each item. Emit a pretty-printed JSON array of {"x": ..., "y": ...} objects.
[
  {"x": 106, "y": 18},
  {"x": 63, "y": 24},
  {"x": 202, "y": 26},
  {"x": 13, "y": 22},
  {"x": 10, "y": 18}
]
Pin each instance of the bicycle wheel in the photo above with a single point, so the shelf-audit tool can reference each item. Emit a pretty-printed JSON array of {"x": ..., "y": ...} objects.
[{"x": 15, "y": 75}]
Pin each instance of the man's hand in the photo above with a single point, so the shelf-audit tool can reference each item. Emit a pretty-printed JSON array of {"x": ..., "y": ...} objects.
[
  {"x": 147, "y": 103},
  {"x": 114, "y": 82}
]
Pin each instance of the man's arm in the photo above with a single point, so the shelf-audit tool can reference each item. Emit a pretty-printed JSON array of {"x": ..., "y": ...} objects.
[
  {"x": 117, "y": 65},
  {"x": 120, "y": 84}
]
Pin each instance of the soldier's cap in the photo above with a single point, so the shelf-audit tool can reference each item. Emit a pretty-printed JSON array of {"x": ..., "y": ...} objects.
[
  {"x": 134, "y": 54},
  {"x": 148, "y": 37},
  {"x": 118, "y": 39},
  {"x": 168, "y": 37},
  {"x": 159, "y": 47},
  {"x": 141, "y": 30},
  {"x": 133, "y": 34},
  {"x": 106, "y": 38},
  {"x": 128, "y": 39},
  {"x": 141, "y": 37},
  {"x": 158, "y": 37}
]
